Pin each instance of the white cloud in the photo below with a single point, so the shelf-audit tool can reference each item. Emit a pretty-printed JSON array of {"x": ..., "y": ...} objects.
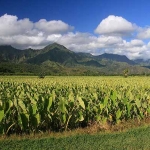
[
  {"x": 22, "y": 41},
  {"x": 52, "y": 27},
  {"x": 109, "y": 40},
  {"x": 115, "y": 25},
  {"x": 10, "y": 25},
  {"x": 131, "y": 49},
  {"x": 80, "y": 38},
  {"x": 137, "y": 42},
  {"x": 83, "y": 42},
  {"x": 144, "y": 33},
  {"x": 25, "y": 33},
  {"x": 78, "y": 42},
  {"x": 54, "y": 37}
]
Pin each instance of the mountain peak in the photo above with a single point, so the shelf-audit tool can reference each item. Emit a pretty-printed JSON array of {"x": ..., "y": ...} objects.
[{"x": 56, "y": 45}]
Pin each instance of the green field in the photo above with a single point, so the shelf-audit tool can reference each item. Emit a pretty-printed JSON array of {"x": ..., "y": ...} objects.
[
  {"x": 30, "y": 105},
  {"x": 89, "y": 109}
]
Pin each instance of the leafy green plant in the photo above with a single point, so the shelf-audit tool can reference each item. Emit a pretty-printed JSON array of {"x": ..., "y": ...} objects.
[{"x": 57, "y": 104}]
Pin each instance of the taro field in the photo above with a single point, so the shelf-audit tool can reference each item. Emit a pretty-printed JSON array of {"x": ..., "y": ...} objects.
[{"x": 30, "y": 105}]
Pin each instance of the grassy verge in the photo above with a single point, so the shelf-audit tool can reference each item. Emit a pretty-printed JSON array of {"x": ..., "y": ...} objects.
[{"x": 137, "y": 139}]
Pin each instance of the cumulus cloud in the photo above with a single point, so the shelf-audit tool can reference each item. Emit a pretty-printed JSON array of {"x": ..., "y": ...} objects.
[
  {"x": 115, "y": 25},
  {"x": 54, "y": 37},
  {"x": 84, "y": 42},
  {"x": 111, "y": 38},
  {"x": 131, "y": 49},
  {"x": 144, "y": 33},
  {"x": 146, "y": 53},
  {"x": 22, "y": 41},
  {"x": 52, "y": 27},
  {"x": 78, "y": 42},
  {"x": 137, "y": 42},
  {"x": 24, "y": 33},
  {"x": 10, "y": 25}
]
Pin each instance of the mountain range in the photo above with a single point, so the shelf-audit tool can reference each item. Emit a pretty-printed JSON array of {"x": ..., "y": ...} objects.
[{"x": 55, "y": 59}]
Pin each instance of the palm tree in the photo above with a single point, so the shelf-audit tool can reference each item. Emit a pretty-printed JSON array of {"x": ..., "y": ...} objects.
[{"x": 126, "y": 71}]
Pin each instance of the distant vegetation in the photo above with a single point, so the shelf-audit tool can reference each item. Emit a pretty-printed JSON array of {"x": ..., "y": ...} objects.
[
  {"x": 41, "y": 75},
  {"x": 55, "y": 59},
  {"x": 126, "y": 71}
]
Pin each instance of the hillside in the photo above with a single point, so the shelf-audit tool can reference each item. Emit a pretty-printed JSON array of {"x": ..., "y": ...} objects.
[
  {"x": 115, "y": 57},
  {"x": 55, "y": 59}
]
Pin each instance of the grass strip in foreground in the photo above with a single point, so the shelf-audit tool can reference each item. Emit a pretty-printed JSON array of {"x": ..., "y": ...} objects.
[{"x": 134, "y": 139}]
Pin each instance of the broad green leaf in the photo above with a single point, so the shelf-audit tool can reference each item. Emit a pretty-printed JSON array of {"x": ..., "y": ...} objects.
[
  {"x": 37, "y": 116},
  {"x": 1, "y": 115},
  {"x": 53, "y": 95},
  {"x": 105, "y": 101},
  {"x": 138, "y": 103},
  {"x": 81, "y": 102},
  {"x": 62, "y": 107},
  {"x": 125, "y": 100},
  {"x": 95, "y": 96},
  {"x": 97, "y": 118},
  {"x": 118, "y": 114},
  {"x": 6, "y": 106},
  {"x": 34, "y": 109},
  {"x": 22, "y": 105},
  {"x": 114, "y": 97},
  {"x": 71, "y": 97},
  {"x": 50, "y": 102},
  {"x": 64, "y": 118},
  {"x": 101, "y": 106},
  {"x": 46, "y": 103},
  {"x": 81, "y": 118},
  {"x": 144, "y": 105},
  {"x": 30, "y": 109},
  {"x": 148, "y": 110},
  {"x": 24, "y": 120}
]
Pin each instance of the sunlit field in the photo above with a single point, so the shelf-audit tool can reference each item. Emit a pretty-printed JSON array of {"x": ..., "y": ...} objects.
[{"x": 29, "y": 104}]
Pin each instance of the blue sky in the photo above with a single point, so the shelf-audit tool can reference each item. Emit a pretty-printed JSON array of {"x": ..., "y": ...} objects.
[{"x": 94, "y": 26}]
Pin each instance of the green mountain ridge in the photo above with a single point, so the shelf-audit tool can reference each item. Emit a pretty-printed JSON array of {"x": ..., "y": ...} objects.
[
  {"x": 115, "y": 57},
  {"x": 55, "y": 59}
]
